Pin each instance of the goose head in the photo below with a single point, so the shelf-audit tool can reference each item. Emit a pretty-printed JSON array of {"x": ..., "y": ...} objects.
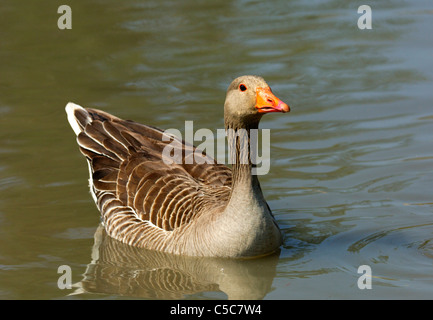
[{"x": 248, "y": 99}]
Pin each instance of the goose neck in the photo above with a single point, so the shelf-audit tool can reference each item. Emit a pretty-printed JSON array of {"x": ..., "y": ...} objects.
[{"x": 239, "y": 141}]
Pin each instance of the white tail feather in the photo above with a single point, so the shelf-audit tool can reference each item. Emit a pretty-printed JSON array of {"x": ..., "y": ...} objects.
[{"x": 70, "y": 108}]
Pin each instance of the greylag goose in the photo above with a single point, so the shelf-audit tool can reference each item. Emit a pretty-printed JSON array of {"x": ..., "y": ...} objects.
[{"x": 182, "y": 207}]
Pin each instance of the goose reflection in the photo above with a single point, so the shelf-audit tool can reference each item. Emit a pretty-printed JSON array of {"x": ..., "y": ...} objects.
[{"x": 124, "y": 270}]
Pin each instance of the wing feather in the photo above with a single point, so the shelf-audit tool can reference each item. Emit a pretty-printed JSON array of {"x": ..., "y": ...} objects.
[{"x": 131, "y": 182}]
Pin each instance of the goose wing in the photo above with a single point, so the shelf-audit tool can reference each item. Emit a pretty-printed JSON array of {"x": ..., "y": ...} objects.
[{"x": 130, "y": 173}]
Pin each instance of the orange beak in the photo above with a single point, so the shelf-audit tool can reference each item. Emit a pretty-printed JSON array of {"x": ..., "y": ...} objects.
[{"x": 268, "y": 102}]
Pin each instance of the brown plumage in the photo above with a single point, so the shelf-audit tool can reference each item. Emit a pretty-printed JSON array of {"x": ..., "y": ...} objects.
[{"x": 180, "y": 207}]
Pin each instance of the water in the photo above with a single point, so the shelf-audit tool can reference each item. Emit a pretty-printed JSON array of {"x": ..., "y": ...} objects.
[{"x": 351, "y": 165}]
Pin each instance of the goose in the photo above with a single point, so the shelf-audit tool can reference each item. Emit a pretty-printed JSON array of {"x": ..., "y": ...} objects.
[{"x": 181, "y": 207}]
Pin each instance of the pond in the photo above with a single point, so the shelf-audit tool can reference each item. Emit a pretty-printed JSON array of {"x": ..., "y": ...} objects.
[{"x": 350, "y": 178}]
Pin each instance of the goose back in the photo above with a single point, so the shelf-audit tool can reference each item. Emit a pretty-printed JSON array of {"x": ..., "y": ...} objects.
[{"x": 132, "y": 185}]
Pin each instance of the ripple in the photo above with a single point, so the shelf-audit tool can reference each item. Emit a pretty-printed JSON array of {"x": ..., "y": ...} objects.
[
  {"x": 9, "y": 182},
  {"x": 393, "y": 234}
]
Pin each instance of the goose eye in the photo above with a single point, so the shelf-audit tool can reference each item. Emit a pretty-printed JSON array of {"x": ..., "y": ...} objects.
[{"x": 242, "y": 87}]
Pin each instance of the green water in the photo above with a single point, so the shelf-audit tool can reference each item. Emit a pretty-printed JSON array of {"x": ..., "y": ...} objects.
[{"x": 351, "y": 166}]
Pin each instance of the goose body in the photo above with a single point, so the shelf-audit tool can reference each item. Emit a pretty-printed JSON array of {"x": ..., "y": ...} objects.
[{"x": 180, "y": 207}]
